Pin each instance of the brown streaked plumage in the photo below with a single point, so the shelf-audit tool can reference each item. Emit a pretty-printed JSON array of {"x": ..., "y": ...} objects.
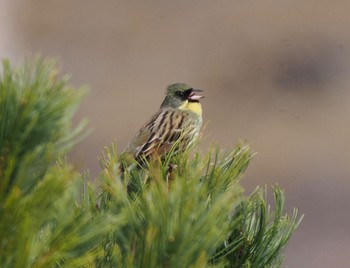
[{"x": 177, "y": 122}]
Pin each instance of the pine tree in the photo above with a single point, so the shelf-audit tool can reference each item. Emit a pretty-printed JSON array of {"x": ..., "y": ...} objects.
[{"x": 141, "y": 216}]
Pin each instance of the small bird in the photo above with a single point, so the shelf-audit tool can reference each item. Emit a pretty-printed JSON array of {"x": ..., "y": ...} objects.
[{"x": 177, "y": 123}]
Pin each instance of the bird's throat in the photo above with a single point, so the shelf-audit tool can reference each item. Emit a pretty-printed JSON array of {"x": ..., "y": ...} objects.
[{"x": 194, "y": 107}]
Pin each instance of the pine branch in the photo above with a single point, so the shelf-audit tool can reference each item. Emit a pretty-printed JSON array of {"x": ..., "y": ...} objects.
[
  {"x": 36, "y": 108},
  {"x": 41, "y": 224},
  {"x": 258, "y": 236},
  {"x": 187, "y": 223}
]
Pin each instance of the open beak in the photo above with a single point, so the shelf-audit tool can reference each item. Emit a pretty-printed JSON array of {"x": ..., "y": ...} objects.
[{"x": 193, "y": 96}]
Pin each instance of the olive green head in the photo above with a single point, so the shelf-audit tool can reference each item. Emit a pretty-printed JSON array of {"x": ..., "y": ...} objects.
[{"x": 177, "y": 94}]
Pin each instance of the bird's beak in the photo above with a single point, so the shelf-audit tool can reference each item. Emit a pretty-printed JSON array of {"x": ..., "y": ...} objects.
[{"x": 193, "y": 96}]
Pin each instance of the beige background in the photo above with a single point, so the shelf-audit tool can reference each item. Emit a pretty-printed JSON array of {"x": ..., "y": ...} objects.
[{"x": 275, "y": 73}]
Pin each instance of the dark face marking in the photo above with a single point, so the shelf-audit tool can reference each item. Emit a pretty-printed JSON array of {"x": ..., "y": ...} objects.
[{"x": 183, "y": 95}]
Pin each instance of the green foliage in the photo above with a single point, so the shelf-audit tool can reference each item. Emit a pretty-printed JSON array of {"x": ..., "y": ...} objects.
[
  {"x": 186, "y": 210},
  {"x": 258, "y": 236},
  {"x": 194, "y": 215},
  {"x": 41, "y": 223},
  {"x": 36, "y": 108}
]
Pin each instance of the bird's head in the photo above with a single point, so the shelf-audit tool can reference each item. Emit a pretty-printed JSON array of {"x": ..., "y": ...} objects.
[{"x": 178, "y": 94}]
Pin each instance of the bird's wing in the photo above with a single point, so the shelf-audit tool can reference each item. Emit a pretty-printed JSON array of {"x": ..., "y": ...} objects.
[{"x": 159, "y": 134}]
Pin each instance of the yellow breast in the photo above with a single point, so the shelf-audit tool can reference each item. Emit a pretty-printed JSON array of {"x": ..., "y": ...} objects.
[{"x": 194, "y": 107}]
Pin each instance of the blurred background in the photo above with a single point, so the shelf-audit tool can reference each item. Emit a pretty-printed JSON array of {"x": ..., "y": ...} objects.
[{"x": 275, "y": 73}]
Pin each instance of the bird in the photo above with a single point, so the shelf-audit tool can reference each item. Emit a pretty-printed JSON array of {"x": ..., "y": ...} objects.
[{"x": 174, "y": 127}]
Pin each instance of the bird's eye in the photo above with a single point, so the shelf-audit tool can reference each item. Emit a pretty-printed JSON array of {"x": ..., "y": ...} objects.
[{"x": 179, "y": 94}]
